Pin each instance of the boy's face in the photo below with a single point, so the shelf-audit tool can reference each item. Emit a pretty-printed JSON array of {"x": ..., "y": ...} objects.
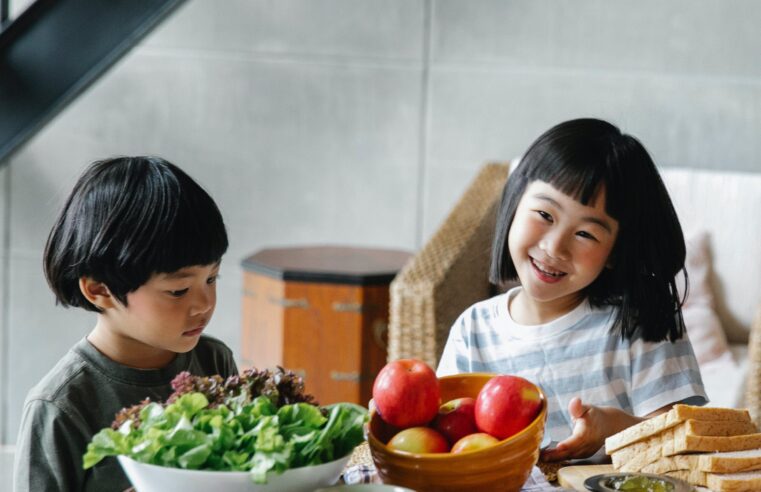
[
  {"x": 558, "y": 245},
  {"x": 170, "y": 310}
]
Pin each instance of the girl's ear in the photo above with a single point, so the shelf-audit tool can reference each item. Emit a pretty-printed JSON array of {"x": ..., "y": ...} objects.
[
  {"x": 96, "y": 292},
  {"x": 611, "y": 261}
]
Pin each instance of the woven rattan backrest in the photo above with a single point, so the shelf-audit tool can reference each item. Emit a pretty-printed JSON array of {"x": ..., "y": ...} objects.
[{"x": 448, "y": 274}]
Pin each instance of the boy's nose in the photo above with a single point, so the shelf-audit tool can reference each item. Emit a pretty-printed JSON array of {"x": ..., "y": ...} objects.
[{"x": 204, "y": 303}]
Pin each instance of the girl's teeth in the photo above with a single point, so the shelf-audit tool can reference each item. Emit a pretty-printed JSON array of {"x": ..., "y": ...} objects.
[{"x": 543, "y": 269}]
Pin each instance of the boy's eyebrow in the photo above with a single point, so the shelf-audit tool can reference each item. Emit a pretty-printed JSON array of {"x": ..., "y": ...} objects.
[
  {"x": 602, "y": 223},
  {"x": 179, "y": 274},
  {"x": 182, "y": 273}
]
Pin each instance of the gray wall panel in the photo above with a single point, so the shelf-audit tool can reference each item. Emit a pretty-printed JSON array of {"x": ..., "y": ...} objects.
[
  {"x": 361, "y": 122},
  {"x": 698, "y": 37},
  {"x": 363, "y": 28},
  {"x": 704, "y": 123}
]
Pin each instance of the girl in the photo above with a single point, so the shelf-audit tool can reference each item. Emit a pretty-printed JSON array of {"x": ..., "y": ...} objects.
[
  {"x": 139, "y": 243},
  {"x": 587, "y": 227}
]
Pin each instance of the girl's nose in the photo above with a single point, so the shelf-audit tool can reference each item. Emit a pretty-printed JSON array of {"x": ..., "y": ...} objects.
[{"x": 554, "y": 246}]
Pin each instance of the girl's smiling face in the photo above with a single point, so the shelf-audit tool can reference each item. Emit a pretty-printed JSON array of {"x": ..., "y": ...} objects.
[{"x": 558, "y": 247}]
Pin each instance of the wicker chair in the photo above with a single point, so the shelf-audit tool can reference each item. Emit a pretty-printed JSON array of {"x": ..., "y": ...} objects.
[{"x": 449, "y": 274}]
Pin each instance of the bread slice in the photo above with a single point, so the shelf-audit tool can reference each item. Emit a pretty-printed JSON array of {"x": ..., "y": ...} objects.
[
  {"x": 734, "y": 482},
  {"x": 727, "y": 462},
  {"x": 636, "y": 456},
  {"x": 672, "y": 463},
  {"x": 679, "y": 413},
  {"x": 687, "y": 443},
  {"x": 685, "y": 438},
  {"x": 693, "y": 477},
  {"x": 721, "y": 482},
  {"x": 731, "y": 461}
]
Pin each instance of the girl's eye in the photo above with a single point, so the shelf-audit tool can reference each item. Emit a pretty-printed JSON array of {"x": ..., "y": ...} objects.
[
  {"x": 212, "y": 279},
  {"x": 545, "y": 215},
  {"x": 178, "y": 293},
  {"x": 586, "y": 235}
]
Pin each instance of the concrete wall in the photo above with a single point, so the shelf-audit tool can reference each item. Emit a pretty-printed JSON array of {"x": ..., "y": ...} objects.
[{"x": 360, "y": 122}]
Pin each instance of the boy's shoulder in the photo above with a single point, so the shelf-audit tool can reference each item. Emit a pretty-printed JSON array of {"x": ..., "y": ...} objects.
[{"x": 53, "y": 386}]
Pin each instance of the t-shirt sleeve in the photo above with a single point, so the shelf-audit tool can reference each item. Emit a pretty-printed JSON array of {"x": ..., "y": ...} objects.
[
  {"x": 454, "y": 358},
  {"x": 49, "y": 452},
  {"x": 664, "y": 373}
]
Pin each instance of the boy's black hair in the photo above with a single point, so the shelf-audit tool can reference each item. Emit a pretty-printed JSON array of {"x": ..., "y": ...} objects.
[
  {"x": 126, "y": 219},
  {"x": 578, "y": 157}
]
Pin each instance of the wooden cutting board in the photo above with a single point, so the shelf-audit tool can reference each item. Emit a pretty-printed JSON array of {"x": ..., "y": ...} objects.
[{"x": 572, "y": 477}]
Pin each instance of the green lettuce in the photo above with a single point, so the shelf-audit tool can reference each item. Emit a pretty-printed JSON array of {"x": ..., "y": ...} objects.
[{"x": 240, "y": 434}]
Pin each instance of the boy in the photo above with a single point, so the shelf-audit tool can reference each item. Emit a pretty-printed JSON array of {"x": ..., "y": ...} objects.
[{"x": 139, "y": 243}]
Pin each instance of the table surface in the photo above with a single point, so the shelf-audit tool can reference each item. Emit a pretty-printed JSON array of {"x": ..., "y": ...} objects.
[{"x": 333, "y": 264}]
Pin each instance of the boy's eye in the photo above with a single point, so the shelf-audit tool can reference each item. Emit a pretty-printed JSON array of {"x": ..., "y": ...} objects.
[
  {"x": 178, "y": 293},
  {"x": 586, "y": 235},
  {"x": 212, "y": 279}
]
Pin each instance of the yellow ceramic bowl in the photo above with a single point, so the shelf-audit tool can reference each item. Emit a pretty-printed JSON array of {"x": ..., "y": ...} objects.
[{"x": 504, "y": 466}]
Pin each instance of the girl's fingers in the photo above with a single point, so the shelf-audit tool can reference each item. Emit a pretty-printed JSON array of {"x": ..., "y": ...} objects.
[
  {"x": 576, "y": 408},
  {"x": 564, "y": 450}
]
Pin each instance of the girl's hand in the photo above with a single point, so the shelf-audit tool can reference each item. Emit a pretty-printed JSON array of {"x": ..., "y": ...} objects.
[{"x": 591, "y": 426}]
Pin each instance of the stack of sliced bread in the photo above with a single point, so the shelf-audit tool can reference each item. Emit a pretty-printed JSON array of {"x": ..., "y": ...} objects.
[{"x": 718, "y": 448}]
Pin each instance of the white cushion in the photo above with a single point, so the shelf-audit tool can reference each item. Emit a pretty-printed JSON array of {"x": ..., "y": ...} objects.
[
  {"x": 728, "y": 206},
  {"x": 724, "y": 378},
  {"x": 703, "y": 324}
]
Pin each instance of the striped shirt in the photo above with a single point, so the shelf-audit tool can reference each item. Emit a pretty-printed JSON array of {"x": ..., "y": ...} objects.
[{"x": 578, "y": 354}]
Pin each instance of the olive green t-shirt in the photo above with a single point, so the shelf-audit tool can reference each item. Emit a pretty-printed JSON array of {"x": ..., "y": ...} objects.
[{"x": 78, "y": 398}]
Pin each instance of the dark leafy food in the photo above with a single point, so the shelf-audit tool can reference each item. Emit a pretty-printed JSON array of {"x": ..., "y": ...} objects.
[{"x": 280, "y": 386}]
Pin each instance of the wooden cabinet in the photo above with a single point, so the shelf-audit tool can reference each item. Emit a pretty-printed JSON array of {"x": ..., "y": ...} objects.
[{"x": 321, "y": 312}]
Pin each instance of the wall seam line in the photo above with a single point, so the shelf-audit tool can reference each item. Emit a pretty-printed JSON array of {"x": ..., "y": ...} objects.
[
  {"x": 424, "y": 120},
  {"x": 4, "y": 329}
]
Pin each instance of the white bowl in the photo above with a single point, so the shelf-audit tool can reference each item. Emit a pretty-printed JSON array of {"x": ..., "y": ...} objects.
[
  {"x": 153, "y": 478},
  {"x": 365, "y": 487}
]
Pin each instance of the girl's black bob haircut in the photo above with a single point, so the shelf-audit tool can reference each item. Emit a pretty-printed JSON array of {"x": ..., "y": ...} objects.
[
  {"x": 126, "y": 219},
  {"x": 579, "y": 158}
]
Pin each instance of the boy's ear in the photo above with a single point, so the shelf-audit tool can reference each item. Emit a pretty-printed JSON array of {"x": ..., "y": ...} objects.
[{"x": 96, "y": 292}]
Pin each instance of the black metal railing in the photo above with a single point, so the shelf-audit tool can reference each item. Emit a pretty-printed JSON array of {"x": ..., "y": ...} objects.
[{"x": 55, "y": 49}]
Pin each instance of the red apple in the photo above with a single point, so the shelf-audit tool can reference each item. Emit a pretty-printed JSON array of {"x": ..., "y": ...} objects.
[
  {"x": 419, "y": 440},
  {"x": 456, "y": 419},
  {"x": 406, "y": 393},
  {"x": 473, "y": 442},
  {"x": 506, "y": 405}
]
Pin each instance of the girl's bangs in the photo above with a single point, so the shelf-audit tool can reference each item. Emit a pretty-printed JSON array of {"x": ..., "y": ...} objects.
[{"x": 578, "y": 178}]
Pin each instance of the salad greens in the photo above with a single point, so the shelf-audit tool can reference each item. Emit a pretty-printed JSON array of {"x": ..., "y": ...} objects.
[{"x": 238, "y": 431}]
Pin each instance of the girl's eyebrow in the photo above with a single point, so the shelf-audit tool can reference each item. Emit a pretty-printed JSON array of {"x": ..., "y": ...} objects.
[{"x": 595, "y": 220}]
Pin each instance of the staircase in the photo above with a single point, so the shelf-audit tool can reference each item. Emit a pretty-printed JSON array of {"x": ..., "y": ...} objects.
[{"x": 55, "y": 49}]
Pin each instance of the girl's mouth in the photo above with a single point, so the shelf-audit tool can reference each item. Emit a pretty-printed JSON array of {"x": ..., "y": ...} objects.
[{"x": 545, "y": 273}]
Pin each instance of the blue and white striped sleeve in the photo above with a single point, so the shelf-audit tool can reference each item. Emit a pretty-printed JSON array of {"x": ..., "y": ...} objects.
[{"x": 664, "y": 373}]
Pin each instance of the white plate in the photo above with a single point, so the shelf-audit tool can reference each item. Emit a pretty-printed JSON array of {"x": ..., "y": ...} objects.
[{"x": 153, "y": 478}]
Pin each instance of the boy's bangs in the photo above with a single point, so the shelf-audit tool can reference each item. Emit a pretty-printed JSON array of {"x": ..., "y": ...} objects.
[{"x": 196, "y": 237}]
